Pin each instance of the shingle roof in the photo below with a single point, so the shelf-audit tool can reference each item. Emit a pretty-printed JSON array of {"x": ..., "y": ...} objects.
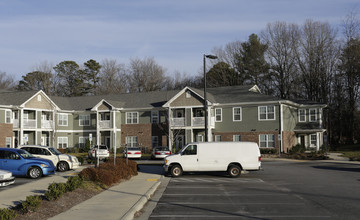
[
  {"x": 15, "y": 97},
  {"x": 221, "y": 95}
]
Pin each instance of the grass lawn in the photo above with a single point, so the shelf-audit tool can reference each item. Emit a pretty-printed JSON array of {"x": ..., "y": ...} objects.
[{"x": 350, "y": 151}]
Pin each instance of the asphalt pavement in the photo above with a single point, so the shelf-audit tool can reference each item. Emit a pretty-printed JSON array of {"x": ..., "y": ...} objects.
[{"x": 118, "y": 202}]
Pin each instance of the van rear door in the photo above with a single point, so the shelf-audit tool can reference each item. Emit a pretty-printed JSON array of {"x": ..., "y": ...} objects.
[{"x": 189, "y": 158}]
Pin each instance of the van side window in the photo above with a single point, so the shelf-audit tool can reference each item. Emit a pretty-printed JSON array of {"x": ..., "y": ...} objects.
[{"x": 190, "y": 150}]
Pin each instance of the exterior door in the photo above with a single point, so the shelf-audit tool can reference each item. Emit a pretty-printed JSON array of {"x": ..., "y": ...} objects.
[{"x": 189, "y": 158}]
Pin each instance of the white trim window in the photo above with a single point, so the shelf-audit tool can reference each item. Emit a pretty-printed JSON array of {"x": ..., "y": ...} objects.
[
  {"x": 236, "y": 137},
  {"x": 302, "y": 115},
  {"x": 82, "y": 141},
  {"x": 217, "y": 138},
  {"x": 313, "y": 115},
  {"x": 267, "y": 140},
  {"x": 154, "y": 117},
  {"x": 132, "y": 141},
  {"x": 132, "y": 117},
  {"x": 62, "y": 119},
  {"x": 62, "y": 142},
  {"x": 199, "y": 138},
  {"x": 155, "y": 141},
  {"x": 8, "y": 142},
  {"x": 266, "y": 112},
  {"x": 218, "y": 115},
  {"x": 313, "y": 140},
  {"x": 84, "y": 120},
  {"x": 237, "y": 114},
  {"x": 7, "y": 116}
]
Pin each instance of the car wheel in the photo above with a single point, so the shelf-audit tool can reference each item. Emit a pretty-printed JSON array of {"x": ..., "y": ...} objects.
[
  {"x": 234, "y": 171},
  {"x": 176, "y": 171},
  {"x": 62, "y": 166},
  {"x": 34, "y": 172}
]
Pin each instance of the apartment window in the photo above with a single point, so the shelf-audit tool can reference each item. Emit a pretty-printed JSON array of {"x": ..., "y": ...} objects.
[
  {"x": 266, "y": 112},
  {"x": 132, "y": 117},
  {"x": 312, "y": 115},
  {"x": 84, "y": 120},
  {"x": 267, "y": 140},
  {"x": 62, "y": 142},
  {"x": 7, "y": 116},
  {"x": 302, "y": 115},
  {"x": 236, "y": 137},
  {"x": 154, "y": 117},
  {"x": 218, "y": 114},
  {"x": 217, "y": 138},
  {"x": 63, "y": 120},
  {"x": 132, "y": 141},
  {"x": 39, "y": 98},
  {"x": 82, "y": 141},
  {"x": 313, "y": 140},
  {"x": 200, "y": 138},
  {"x": 237, "y": 114},
  {"x": 155, "y": 141},
  {"x": 8, "y": 142}
]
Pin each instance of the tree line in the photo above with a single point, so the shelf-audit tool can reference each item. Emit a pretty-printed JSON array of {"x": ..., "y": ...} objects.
[{"x": 310, "y": 62}]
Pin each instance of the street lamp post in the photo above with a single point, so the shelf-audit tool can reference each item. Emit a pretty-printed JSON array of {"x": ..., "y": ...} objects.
[{"x": 209, "y": 56}]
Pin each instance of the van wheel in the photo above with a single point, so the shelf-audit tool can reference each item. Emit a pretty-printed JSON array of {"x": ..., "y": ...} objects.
[
  {"x": 176, "y": 171},
  {"x": 234, "y": 171},
  {"x": 62, "y": 166}
]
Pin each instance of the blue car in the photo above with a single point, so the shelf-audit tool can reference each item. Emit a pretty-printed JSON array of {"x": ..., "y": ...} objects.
[{"x": 22, "y": 163}]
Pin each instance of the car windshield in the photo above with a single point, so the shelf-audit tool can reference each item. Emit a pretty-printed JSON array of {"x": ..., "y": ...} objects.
[
  {"x": 25, "y": 154},
  {"x": 54, "y": 151},
  {"x": 162, "y": 149}
]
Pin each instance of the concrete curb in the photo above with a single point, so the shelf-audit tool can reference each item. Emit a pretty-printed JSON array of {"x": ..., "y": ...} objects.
[{"x": 141, "y": 202}]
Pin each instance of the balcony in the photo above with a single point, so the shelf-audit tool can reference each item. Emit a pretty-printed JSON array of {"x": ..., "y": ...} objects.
[
  {"x": 105, "y": 124},
  {"x": 177, "y": 122},
  {"x": 198, "y": 121},
  {"x": 29, "y": 123},
  {"x": 15, "y": 123},
  {"x": 46, "y": 123}
]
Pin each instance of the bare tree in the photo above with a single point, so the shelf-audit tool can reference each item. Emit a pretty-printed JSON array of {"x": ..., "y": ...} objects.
[
  {"x": 145, "y": 75},
  {"x": 112, "y": 78},
  {"x": 317, "y": 59},
  {"x": 6, "y": 82},
  {"x": 282, "y": 41}
]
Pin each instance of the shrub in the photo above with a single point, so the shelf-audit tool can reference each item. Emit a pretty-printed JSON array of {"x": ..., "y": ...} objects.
[
  {"x": 31, "y": 204},
  {"x": 81, "y": 160},
  {"x": 267, "y": 150},
  {"x": 73, "y": 183},
  {"x": 55, "y": 191},
  {"x": 107, "y": 173},
  {"x": 297, "y": 149},
  {"x": 7, "y": 214}
]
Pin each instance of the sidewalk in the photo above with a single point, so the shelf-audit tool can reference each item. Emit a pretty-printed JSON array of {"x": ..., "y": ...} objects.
[{"x": 118, "y": 202}]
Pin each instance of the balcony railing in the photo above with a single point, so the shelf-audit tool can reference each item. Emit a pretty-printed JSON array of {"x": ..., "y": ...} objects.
[
  {"x": 177, "y": 122},
  {"x": 15, "y": 123},
  {"x": 29, "y": 123},
  {"x": 46, "y": 123},
  {"x": 105, "y": 124},
  {"x": 198, "y": 121}
]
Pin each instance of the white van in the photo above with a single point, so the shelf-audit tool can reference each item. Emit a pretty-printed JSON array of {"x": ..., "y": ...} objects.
[{"x": 215, "y": 156}]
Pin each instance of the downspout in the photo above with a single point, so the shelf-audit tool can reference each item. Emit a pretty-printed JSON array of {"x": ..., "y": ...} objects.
[{"x": 281, "y": 115}]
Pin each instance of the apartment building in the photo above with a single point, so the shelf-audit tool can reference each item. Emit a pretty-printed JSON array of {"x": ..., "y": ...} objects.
[{"x": 170, "y": 118}]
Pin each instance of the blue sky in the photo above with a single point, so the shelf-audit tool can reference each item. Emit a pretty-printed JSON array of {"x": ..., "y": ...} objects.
[{"x": 175, "y": 33}]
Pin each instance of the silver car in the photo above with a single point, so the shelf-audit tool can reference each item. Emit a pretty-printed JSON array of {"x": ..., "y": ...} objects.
[
  {"x": 102, "y": 151},
  {"x": 6, "y": 178},
  {"x": 160, "y": 152}
]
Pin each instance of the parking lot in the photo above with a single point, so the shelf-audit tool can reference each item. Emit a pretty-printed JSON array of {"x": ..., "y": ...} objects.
[{"x": 284, "y": 190}]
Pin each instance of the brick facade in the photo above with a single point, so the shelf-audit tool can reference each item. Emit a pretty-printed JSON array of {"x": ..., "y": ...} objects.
[
  {"x": 5, "y": 131},
  {"x": 247, "y": 136}
]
